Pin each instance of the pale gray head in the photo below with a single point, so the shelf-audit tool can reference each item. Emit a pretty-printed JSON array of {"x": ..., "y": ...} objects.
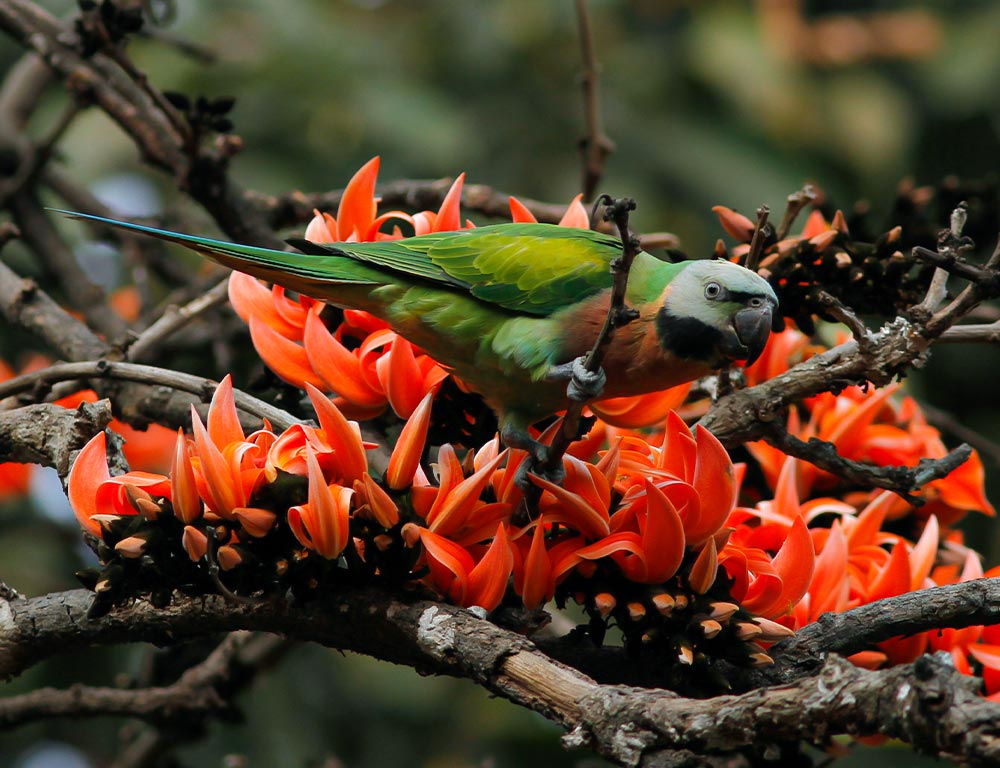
[{"x": 718, "y": 312}]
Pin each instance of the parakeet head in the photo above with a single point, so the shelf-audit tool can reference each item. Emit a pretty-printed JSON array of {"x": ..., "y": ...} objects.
[{"x": 717, "y": 312}]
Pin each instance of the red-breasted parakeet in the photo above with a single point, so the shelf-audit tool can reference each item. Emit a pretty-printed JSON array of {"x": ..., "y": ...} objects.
[{"x": 509, "y": 307}]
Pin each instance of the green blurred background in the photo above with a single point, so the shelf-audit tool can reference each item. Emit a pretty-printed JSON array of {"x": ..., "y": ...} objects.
[{"x": 736, "y": 103}]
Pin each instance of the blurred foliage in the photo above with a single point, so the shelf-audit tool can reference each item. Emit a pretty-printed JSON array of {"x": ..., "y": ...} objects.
[{"x": 715, "y": 101}]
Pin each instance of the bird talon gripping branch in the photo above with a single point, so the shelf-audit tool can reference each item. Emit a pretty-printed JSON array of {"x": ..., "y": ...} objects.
[{"x": 585, "y": 385}]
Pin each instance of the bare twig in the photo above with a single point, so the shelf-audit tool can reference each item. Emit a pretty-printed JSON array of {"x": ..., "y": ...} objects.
[
  {"x": 175, "y": 318},
  {"x": 757, "y": 242},
  {"x": 595, "y": 146},
  {"x": 797, "y": 201},
  {"x": 903, "y": 480},
  {"x": 618, "y": 315},
  {"x": 845, "y": 315},
  {"x": 143, "y": 374}
]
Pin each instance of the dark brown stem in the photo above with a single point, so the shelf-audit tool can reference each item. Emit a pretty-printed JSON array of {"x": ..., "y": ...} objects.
[
  {"x": 595, "y": 146},
  {"x": 757, "y": 242}
]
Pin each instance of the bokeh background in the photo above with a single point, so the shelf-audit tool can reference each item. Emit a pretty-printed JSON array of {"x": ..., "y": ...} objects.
[{"x": 708, "y": 102}]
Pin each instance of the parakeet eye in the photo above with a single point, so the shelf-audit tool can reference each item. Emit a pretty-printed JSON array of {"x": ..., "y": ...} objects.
[{"x": 712, "y": 290}]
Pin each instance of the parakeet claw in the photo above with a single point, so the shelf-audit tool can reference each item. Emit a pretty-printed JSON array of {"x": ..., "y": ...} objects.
[
  {"x": 585, "y": 385},
  {"x": 537, "y": 461},
  {"x": 535, "y": 466}
]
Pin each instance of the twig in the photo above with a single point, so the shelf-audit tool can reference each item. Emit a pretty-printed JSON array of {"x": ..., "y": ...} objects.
[
  {"x": 175, "y": 318},
  {"x": 143, "y": 374},
  {"x": 618, "y": 315},
  {"x": 845, "y": 315},
  {"x": 49, "y": 434},
  {"x": 203, "y": 691},
  {"x": 797, "y": 201},
  {"x": 960, "y": 605},
  {"x": 903, "y": 480},
  {"x": 595, "y": 146},
  {"x": 757, "y": 242},
  {"x": 986, "y": 333}
]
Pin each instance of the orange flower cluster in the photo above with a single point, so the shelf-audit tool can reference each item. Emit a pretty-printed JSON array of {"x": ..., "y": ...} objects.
[
  {"x": 299, "y": 509},
  {"x": 857, "y": 562}
]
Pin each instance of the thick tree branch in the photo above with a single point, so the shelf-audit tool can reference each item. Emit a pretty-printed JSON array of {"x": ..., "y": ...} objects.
[
  {"x": 628, "y": 725},
  {"x": 48, "y": 434}
]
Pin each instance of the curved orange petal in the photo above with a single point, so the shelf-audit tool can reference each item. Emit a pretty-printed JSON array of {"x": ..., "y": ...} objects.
[
  {"x": 704, "y": 569},
  {"x": 576, "y": 215},
  {"x": 449, "y": 564},
  {"x": 830, "y": 573},
  {"x": 342, "y": 435},
  {"x": 89, "y": 471},
  {"x": 519, "y": 213},
  {"x": 449, "y": 215},
  {"x": 356, "y": 211},
  {"x": 738, "y": 226},
  {"x": 663, "y": 536},
  {"x": 337, "y": 368},
  {"x": 224, "y": 492},
  {"x": 894, "y": 578},
  {"x": 539, "y": 582},
  {"x": 401, "y": 378},
  {"x": 794, "y": 565},
  {"x": 573, "y": 510},
  {"x": 183, "y": 489},
  {"x": 286, "y": 358},
  {"x": 330, "y": 511},
  {"x": 406, "y": 454},
  {"x": 223, "y": 421},
  {"x": 924, "y": 553},
  {"x": 251, "y": 298},
  {"x": 715, "y": 482},
  {"x": 640, "y": 410},
  {"x": 488, "y": 580},
  {"x": 380, "y": 503},
  {"x": 448, "y": 517}
]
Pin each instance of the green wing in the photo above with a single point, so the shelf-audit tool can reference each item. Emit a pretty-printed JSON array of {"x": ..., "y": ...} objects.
[{"x": 535, "y": 269}]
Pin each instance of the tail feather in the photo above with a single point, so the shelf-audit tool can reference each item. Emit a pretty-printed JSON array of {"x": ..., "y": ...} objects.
[{"x": 309, "y": 274}]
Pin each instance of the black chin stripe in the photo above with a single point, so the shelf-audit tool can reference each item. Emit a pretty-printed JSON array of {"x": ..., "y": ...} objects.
[{"x": 688, "y": 337}]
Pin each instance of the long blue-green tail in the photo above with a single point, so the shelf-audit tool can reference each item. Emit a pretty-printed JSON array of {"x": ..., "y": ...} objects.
[{"x": 312, "y": 274}]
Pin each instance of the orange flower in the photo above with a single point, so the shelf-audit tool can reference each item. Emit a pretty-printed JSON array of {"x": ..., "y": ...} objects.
[
  {"x": 541, "y": 563},
  {"x": 649, "y": 547},
  {"x": 455, "y": 572},
  {"x": 227, "y": 467},
  {"x": 93, "y": 492},
  {"x": 323, "y": 523},
  {"x": 694, "y": 471}
]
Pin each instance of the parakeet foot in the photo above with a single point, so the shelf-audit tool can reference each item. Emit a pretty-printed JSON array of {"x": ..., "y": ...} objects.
[
  {"x": 537, "y": 461},
  {"x": 584, "y": 385}
]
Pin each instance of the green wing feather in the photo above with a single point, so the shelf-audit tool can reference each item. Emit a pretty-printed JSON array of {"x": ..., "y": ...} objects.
[{"x": 534, "y": 269}]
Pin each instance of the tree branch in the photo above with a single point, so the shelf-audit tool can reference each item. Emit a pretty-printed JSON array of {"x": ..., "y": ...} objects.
[{"x": 628, "y": 725}]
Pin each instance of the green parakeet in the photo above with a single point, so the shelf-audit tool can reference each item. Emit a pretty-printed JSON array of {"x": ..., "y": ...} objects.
[{"x": 509, "y": 307}]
